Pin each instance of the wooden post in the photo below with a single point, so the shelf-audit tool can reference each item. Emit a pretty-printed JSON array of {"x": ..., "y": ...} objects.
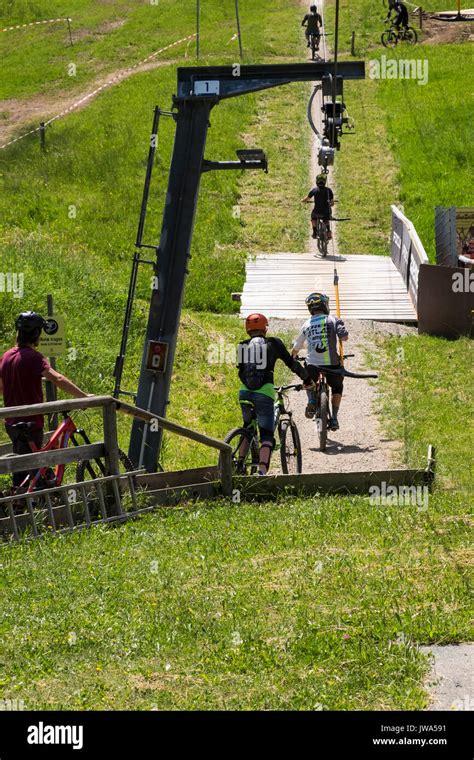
[
  {"x": 197, "y": 27},
  {"x": 238, "y": 27},
  {"x": 69, "y": 28},
  {"x": 420, "y": 17},
  {"x": 226, "y": 472},
  {"x": 51, "y": 393},
  {"x": 42, "y": 135},
  {"x": 353, "y": 43},
  {"x": 112, "y": 462}
]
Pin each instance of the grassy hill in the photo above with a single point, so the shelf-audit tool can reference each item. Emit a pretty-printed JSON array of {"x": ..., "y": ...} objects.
[{"x": 301, "y": 603}]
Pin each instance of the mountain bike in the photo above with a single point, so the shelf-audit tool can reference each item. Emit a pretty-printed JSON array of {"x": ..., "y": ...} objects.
[
  {"x": 392, "y": 36},
  {"x": 314, "y": 40},
  {"x": 322, "y": 232},
  {"x": 66, "y": 434},
  {"x": 289, "y": 445},
  {"x": 320, "y": 389}
]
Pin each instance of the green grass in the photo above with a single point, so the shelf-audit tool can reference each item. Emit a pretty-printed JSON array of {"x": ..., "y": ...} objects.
[
  {"x": 423, "y": 402},
  {"x": 100, "y": 48},
  {"x": 300, "y": 604}
]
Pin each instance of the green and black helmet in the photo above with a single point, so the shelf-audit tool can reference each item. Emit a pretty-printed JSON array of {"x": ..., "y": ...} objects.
[{"x": 317, "y": 302}]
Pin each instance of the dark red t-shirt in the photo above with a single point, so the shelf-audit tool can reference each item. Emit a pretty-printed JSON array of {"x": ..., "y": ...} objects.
[{"x": 21, "y": 370}]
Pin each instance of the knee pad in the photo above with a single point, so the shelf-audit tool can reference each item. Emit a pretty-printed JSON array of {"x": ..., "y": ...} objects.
[{"x": 267, "y": 438}]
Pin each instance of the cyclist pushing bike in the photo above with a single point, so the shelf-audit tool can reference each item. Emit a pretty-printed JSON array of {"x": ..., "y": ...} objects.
[
  {"x": 21, "y": 371},
  {"x": 321, "y": 332},
  {"x": 323, "y": 199},
  {"x": 312, "y": 23},
  {"x": 257, "y": 356}
]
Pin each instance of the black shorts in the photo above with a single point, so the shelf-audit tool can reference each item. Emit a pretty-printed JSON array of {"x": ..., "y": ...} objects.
[
  {"x": 318, "y": 215},
  {"x": 335, "y": 381}
]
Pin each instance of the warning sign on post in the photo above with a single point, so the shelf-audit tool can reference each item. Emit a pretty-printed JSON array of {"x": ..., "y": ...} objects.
[
  {"x": 53, "y": 338},
  {"x": 157, "y": 355}
]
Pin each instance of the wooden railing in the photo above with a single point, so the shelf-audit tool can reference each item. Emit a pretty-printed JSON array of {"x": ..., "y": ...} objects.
[{"x": 108, "y": 449}]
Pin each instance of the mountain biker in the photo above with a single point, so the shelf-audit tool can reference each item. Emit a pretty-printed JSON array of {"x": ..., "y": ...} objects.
[
  {"x": 321, "y": 332},
  {"x": 21, "y": 370},
  {"x": 257, "y": 356},
  {"x": 323, "y": 199},
  {"x": 401, "y": 11},
  {"x": 313, "y": 22}
]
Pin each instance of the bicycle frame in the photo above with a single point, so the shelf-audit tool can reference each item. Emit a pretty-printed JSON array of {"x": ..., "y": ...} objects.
[{"x": 59, "y": 440}]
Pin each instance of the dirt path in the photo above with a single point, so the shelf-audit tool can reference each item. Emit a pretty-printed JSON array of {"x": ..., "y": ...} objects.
[
  {"x": 18, "y": 111},
  {"x": 359, "y": 444}
]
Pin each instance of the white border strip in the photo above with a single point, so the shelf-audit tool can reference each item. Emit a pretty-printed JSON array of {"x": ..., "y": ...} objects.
[
  {"x": 34, "y": 23},
  {"x": 413, "y": 234},
  {"x": 114, "y": 80}
]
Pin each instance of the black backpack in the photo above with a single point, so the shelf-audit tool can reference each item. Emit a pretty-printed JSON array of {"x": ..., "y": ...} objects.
[{"x": 254, "y": 363}]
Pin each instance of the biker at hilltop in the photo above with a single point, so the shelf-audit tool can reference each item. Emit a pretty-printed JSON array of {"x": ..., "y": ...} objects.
[
  {"x": 257, "y": 356},
  {"x": 21, "y": 371},
  {"x": 321, "y": 332},
  {"x": 313, "y": 23},
  {"x": 323, "y": 199},
  {"x": 401, "y": 11}
]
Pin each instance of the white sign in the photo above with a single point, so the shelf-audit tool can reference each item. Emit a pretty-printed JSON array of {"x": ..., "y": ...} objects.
[{"x": 208, "y": 87}]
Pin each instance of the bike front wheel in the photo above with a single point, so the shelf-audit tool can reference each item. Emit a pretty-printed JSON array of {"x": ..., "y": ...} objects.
[
  {"x": 238, "y": 439},
  {"x": 290, "y": 449},
  {"x": 389, "y": 39}
]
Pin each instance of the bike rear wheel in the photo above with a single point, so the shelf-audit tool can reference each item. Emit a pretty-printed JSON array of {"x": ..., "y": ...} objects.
[
  {"x": 247, "y": 465},
  {"x": 290, "y": 448},
  {"x": 91, "y": 469},
  {"x": 410, "y": 36},
  {"x": 322, "y": 420}
]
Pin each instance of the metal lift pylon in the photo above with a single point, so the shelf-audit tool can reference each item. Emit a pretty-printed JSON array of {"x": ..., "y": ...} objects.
[{"x": 199, "y": 89}]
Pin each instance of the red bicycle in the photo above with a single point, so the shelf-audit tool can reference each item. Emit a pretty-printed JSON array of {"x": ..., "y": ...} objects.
[{"x": 65, "y": 434}]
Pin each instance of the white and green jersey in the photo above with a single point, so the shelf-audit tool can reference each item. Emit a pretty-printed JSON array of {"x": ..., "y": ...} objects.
[{"x": 321, "y": 332}]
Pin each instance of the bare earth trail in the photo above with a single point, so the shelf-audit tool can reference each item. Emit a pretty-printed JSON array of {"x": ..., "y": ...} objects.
[{"x": 359, "y": 444}]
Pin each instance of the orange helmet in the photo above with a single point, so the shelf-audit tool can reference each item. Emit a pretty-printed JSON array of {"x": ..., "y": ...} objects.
[{"x": 256, "y": 322}]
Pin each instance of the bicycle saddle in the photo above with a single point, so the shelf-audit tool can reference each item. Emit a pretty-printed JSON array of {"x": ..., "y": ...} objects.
[{"x": 23, "y": 426}]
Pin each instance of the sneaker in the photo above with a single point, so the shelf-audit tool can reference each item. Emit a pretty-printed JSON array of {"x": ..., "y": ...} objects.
[
  {"x": 333, "y": 424},
  {"x": 261, "y": 472},
  {"x": 310, "y": 409}
]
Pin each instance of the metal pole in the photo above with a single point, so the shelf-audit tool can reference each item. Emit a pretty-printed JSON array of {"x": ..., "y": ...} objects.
[
  {"x": 237, "y": 16},
  {"x": 353, "y": 43},
  {"x": 338, "y": 312},
  {"x": 69, "y": 28},
  {"x": 192, "y": 123},
  {"x": 119, "y": 362},
  {"x": 420, "y": 17},
  {"x": 334, "y": 81},
  {"x": 197, "y": 28},
  {"x": 42, "y": 131},
  {"x": 51, "y": 392}
]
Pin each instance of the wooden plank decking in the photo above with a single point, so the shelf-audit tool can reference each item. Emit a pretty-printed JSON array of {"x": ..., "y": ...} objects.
[{"x": 370, "y": 287}]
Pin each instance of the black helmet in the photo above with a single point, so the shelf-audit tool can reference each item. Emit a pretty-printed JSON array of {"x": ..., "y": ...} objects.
[
  {"x": 313, "y": 9},
  {"x": 317, "y": 302},
  {"x": 29, "y": 322},
  {"x": 321, "y": 179}
]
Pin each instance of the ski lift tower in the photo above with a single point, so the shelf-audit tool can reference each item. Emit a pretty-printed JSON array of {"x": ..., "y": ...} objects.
[{"x": 200, "y": 89}]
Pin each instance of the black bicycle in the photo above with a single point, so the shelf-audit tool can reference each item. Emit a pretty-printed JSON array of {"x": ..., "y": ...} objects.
[
  {"x": 322, "y": 232},
  {"x": 393, "y": 35},
  {"x": 244, "y": 440},
  {"x": 320, "y": 389}
]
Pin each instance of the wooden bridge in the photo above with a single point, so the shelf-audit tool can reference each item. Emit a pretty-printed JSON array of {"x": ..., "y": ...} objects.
[{"x": 370, "y": 287}]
